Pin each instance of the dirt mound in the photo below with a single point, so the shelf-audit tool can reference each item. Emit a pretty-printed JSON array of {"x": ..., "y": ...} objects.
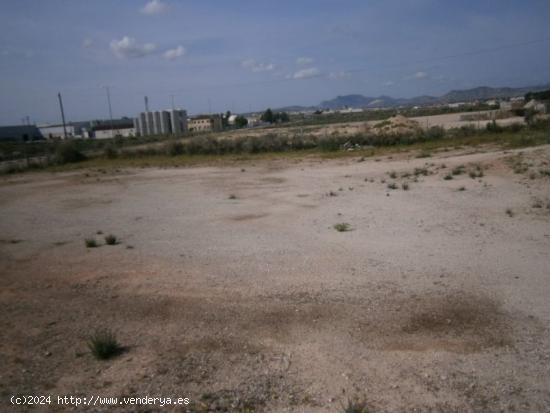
[{"x": 397, "y": 125}]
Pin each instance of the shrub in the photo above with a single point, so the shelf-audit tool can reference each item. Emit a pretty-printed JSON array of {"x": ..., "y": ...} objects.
[
  {"x": 232, "y": 196},
  {"x": 458, "y": 170},
  {"x": 509, "y": 212},
  {"x": 405, "y": 186},
  {"x": 342, "y": 227},
  {"x": 421, "y": 171},
  {"x": 355, "y": 407},
  {"x": 110, "y": 239},
  {"x": 448, "y": 177},
  {"x": 392, "y": 174},
  {"x": 104, "y": 345},
  {"x": 392, "y": 185},
  {"x": 424, "y": 154},
  {"x": 174, "y": 148},
  {"x": 494, "y": 127},
  {"x": 90, "y": 243},
  {"x": 110, "y": 152},
  {"x": 67, "y": 152}
]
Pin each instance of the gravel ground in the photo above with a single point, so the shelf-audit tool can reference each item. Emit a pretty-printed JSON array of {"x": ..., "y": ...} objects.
[{"x": 230, "y": 285}]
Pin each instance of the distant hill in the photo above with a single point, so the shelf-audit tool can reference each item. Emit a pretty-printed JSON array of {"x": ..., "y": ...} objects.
[{"x": 478, "y": 93}]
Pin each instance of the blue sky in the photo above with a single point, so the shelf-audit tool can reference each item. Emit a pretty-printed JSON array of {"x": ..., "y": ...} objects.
[{"x": 244, "y": 55}]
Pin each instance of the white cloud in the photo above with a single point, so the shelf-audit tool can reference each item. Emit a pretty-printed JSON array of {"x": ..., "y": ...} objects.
[
  {"x": 172, "y": 54},
  {"x": 420, "y": 75},
  {"x": 127, "y": 48},
  {"x": 86, "y": 43},
  {"x": 305, "y": 73},
  {"x": 251, "y": 64},
  {"x": 154, "y": 7},
  {"x": 303, "y": 61},
  {"x": 339, "y": 75}
]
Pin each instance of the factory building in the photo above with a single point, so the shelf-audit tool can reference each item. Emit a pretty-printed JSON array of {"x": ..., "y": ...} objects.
[
  {"x": 205, "y": 123},
  {"x": 22, "y": 133},
  {"x": 173, "y": 122}
]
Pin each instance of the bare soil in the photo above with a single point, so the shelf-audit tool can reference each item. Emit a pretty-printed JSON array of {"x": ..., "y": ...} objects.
[{"x": 436, "y": 300}]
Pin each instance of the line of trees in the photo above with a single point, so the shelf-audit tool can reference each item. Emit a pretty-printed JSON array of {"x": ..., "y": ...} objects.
[{"x": 271, "y": 117}]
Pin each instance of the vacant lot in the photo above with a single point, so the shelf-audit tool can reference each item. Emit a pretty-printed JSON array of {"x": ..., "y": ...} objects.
[{"x": 231, "y": 285}]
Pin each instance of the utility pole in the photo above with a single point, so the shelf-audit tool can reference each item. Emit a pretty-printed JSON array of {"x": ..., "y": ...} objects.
[
  {"x": 146, "y": 104},
  {"x": 110, "y": 111},
  {"x": 62, "y": 115}
]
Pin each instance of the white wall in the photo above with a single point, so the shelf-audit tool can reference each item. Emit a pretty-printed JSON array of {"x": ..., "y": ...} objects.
[{"x": 106, "y": 134}]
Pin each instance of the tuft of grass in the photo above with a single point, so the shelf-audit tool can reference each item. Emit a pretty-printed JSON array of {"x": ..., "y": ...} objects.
[
  {"x": 232, "y": 196},
  {"x": 509, "y": 212},
  {"x": 459, "y": 170},
  {"x": 110, "y": 239},
  {"x": 424, "y": 154},
  {"x": 405, "y": 186},
  {"x": 342, "y": 227},
  {"x": 392, "y": 174},
  {"x": 104, "y": 345},
  {"x": 448, "y": 177},
  {"x": 421, "y": 171},
  {"x": 462, "y": 188},
  {"x": 355, "y": 406},
  {"x": 90, "y": 243},
  {"x": 392, "y": 185},
  {"x": 537, "y": 203}
]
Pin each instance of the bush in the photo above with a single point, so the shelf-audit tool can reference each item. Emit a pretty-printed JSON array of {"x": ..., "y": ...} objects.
[
  {"x": 494, "y": 127},
  {"x": 342, "y": 227},
  {"x": 68, "y": 152},
  {"x": 110, "y": 152},
  {"x": 90, "y": 243},
  {"x": 459, "y": 170},
  {"x": 355, "y": 407},
  {"x": 110, "y": 239},
  {"x": 174, "y": 148},
  {"x": 104, "y": 345}
]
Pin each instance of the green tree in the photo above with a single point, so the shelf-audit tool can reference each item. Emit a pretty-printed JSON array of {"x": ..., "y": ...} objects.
[
  {"x": 268, "y": 116},
  {"x": 241, "y": 121}
]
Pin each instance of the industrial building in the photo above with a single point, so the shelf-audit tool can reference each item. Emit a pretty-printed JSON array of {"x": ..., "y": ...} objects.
[
  {"x": 57, "y": 131},
  {"x": 119, "y": 129},
  {"x": 173, "y": 122},
  {"x": 20, "y": 133},
  {"x": 205, "y": 123}
]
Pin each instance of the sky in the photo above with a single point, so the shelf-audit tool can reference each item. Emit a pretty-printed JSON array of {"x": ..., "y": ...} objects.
[{"x": 213, "y": 56}]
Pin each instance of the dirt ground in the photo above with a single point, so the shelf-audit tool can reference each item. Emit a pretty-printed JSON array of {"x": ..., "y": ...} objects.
[
  {"x": 446, "y": 121},
  {"x": 436, "y": 300}
]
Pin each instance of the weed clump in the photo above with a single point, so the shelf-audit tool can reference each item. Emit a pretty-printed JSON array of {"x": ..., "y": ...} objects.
[
  {"x": 342, "y": 227},
  {"x": 104, "y": 345},
  {"x": 110, "y": 239},
  {"x": 67, "y": 152},
  {"x": 459, "y": 170},
  {"x": 355, "y": 406},
  {"x": 90, "y": 243}
]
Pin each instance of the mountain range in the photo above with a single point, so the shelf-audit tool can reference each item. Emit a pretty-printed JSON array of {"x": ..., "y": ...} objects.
[{"x": 383, "y": 101}]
